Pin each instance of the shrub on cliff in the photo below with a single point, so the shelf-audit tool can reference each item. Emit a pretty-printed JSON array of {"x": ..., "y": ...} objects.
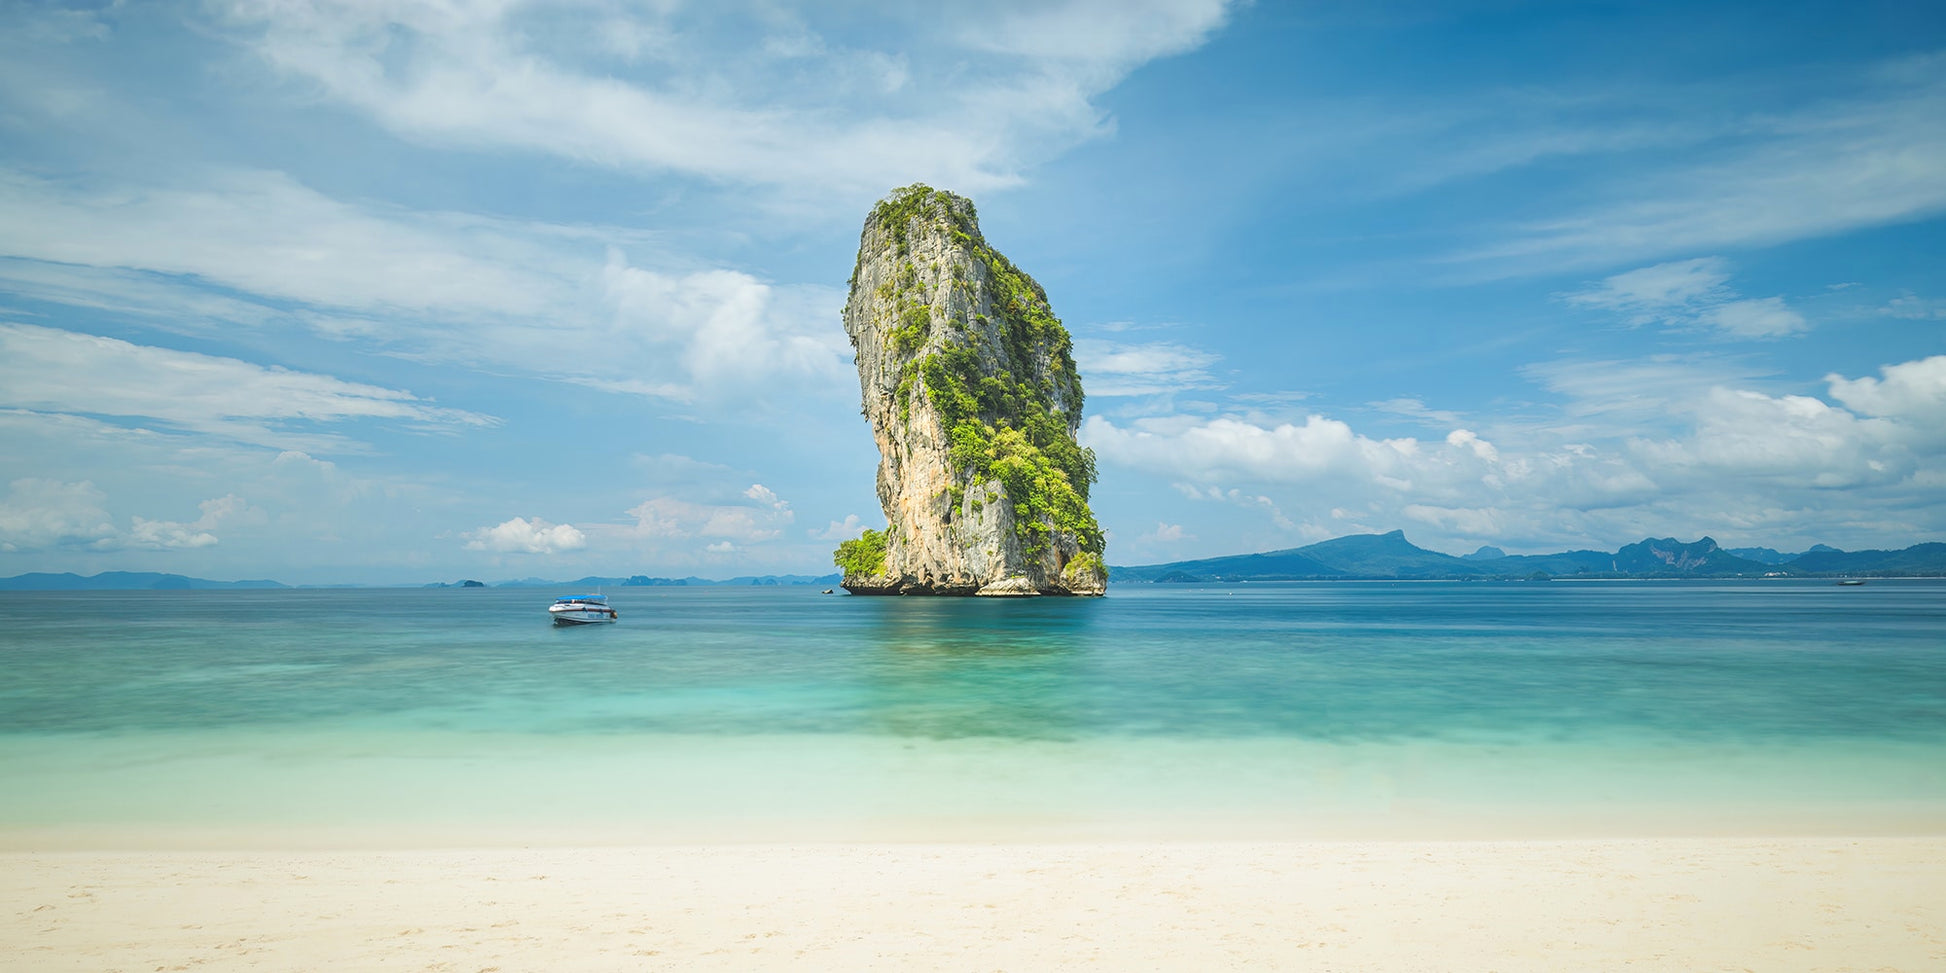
[{"x": 864, "y": 557}]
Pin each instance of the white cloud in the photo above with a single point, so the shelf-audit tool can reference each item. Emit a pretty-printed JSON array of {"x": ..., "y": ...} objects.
[
  {"x": 1632, "y": 392},
  {"x": 1873, "y": 157},
  {"x": 162, "y": 301},
  {"x": 344, "y": 523},
  {"x": 1914, "y": 391},
  {"x": 51, "y": 370},
  {"x": 663, "y": 90},
  {"x": 1663, "y": 447},
  {"x": 40, "y": 513},
  {"x": 440, "y": 287},
  {"x": 171, "y": 535},
  {"x": 676, "y": 518},
  {"x": 1211, "y": 449},
  {"x": 1417, "y": 410},
  {"x": 972, "y": 94},
  {"x": 1676, "y": 284},
  {"x": 1470, "y": 440},
  {"x": 1167, "y": 533},
  {"x": 168, "y": 535},
  {"x": 1464, "y": 521},
  {"x": 1756, "y": 318},
  {"x": 1111, "y": 34},
  {"x": 849, "y": 528},
  {"x": 1691, "y": 294},
  {"x": 766, "y": 496},
  {"x": 1111, "y": 368},
  {"x": 1911, "y": 307},
  {"x": 264, "y": 233},
  {"x": 1796, "y": 438},
  {"x": 1251, "y": 501},
  {"x": 523, "y": 536},
  {"x": 728, "y": 330}
]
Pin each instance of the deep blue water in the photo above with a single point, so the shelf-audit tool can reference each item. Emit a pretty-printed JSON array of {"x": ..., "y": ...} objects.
[{"x": 1503, "y": 675}]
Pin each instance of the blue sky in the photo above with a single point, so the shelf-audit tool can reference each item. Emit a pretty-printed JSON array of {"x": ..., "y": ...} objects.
[{"x": 332, "y": 292}]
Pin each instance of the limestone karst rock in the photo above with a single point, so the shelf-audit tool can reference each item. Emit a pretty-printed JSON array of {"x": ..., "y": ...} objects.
[{"x": 969, "y": 383}]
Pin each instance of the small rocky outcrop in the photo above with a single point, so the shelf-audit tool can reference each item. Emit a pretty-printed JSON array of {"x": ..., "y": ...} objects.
[{"x": 969, "y": 383}]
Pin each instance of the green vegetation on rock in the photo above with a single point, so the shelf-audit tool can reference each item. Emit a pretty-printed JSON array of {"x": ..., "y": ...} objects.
[
  {"x": 969, "y": 337},
  {"x": 1084, "y": 564},
  {"x": 1010, "y": 424},
  {"x": 864, "y": 557}
]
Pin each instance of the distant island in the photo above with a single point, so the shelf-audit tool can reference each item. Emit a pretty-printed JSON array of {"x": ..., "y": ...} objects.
[
  {"x": 124, "y": 581},
  {"x": 1391, "y": 556},
  {"x": 151, "y": 581}
]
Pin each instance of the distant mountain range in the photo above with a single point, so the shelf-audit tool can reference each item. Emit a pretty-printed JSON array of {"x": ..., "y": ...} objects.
[
  {"x": 1391, "y": 556},
  {"x": 1355, "y": 557},
  {"x": 151, "y": 581},
  {"x": 122, "y": 581}
]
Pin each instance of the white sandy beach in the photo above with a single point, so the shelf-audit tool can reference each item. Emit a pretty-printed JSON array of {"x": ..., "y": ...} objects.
[{"x": 1823, "y": 903}]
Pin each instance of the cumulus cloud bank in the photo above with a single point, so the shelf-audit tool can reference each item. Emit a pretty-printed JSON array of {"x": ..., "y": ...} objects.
[
  {"x": 1914, "y": 391},
  {"x": 41, "y": 514},
  {"x": 1728, "y": 458},
  {"x": 523, "y": 536}
]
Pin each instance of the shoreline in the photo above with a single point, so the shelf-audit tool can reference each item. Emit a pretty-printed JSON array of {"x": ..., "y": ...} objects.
[
  {"x": 419, "y": 790},
  {"x": 1648, "y": 903},
  {"x": 1396, "y": 824}
]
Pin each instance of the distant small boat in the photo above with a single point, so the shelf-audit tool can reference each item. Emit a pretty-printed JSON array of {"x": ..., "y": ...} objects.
[
  {"x": 581, "y": 610},
  {"x": 1852, "y": 581}
]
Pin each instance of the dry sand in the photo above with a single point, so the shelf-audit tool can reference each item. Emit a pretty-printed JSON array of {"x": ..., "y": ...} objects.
[{"x": 1876, "y": 903}]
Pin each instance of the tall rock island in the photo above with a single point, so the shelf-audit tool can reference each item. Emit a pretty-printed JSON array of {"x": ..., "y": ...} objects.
[{"x": 970, "y": 387}]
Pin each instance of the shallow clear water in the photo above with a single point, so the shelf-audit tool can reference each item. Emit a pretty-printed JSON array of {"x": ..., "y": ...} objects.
[{"x": 723, "y": 704}]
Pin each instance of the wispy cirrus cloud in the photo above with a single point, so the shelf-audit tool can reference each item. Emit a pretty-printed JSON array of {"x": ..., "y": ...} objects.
[
  {"x": 760, "y": 516},
  {"x": 647, "y": 89},
  {"x": 1911, "y": 307},
  {"x": 262, "y": 250},
  {"x": 1693, "y": 294},
  {"x": 1416, "y": 409},
  {"x": 263, "y": 233},
  {"x": 51, "y": 370},
  {"x": 965, "y": 95},
  {"x": 1113, "y": 368},
  {"x": 1872, "y": 156}
]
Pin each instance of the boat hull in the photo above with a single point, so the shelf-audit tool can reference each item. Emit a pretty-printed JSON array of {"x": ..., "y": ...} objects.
[{"x": 582, "y": 618}]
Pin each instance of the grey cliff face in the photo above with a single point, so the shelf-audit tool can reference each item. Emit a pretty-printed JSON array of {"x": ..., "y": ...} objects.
[{"x": 968, "y": 381}]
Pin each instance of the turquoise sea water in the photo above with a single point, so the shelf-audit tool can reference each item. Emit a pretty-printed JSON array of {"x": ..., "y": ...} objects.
[{"x": 1254, "y": 709}]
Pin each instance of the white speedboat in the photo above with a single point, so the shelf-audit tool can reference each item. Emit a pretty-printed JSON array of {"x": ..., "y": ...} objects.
[{"x": 581, "y": 610}]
